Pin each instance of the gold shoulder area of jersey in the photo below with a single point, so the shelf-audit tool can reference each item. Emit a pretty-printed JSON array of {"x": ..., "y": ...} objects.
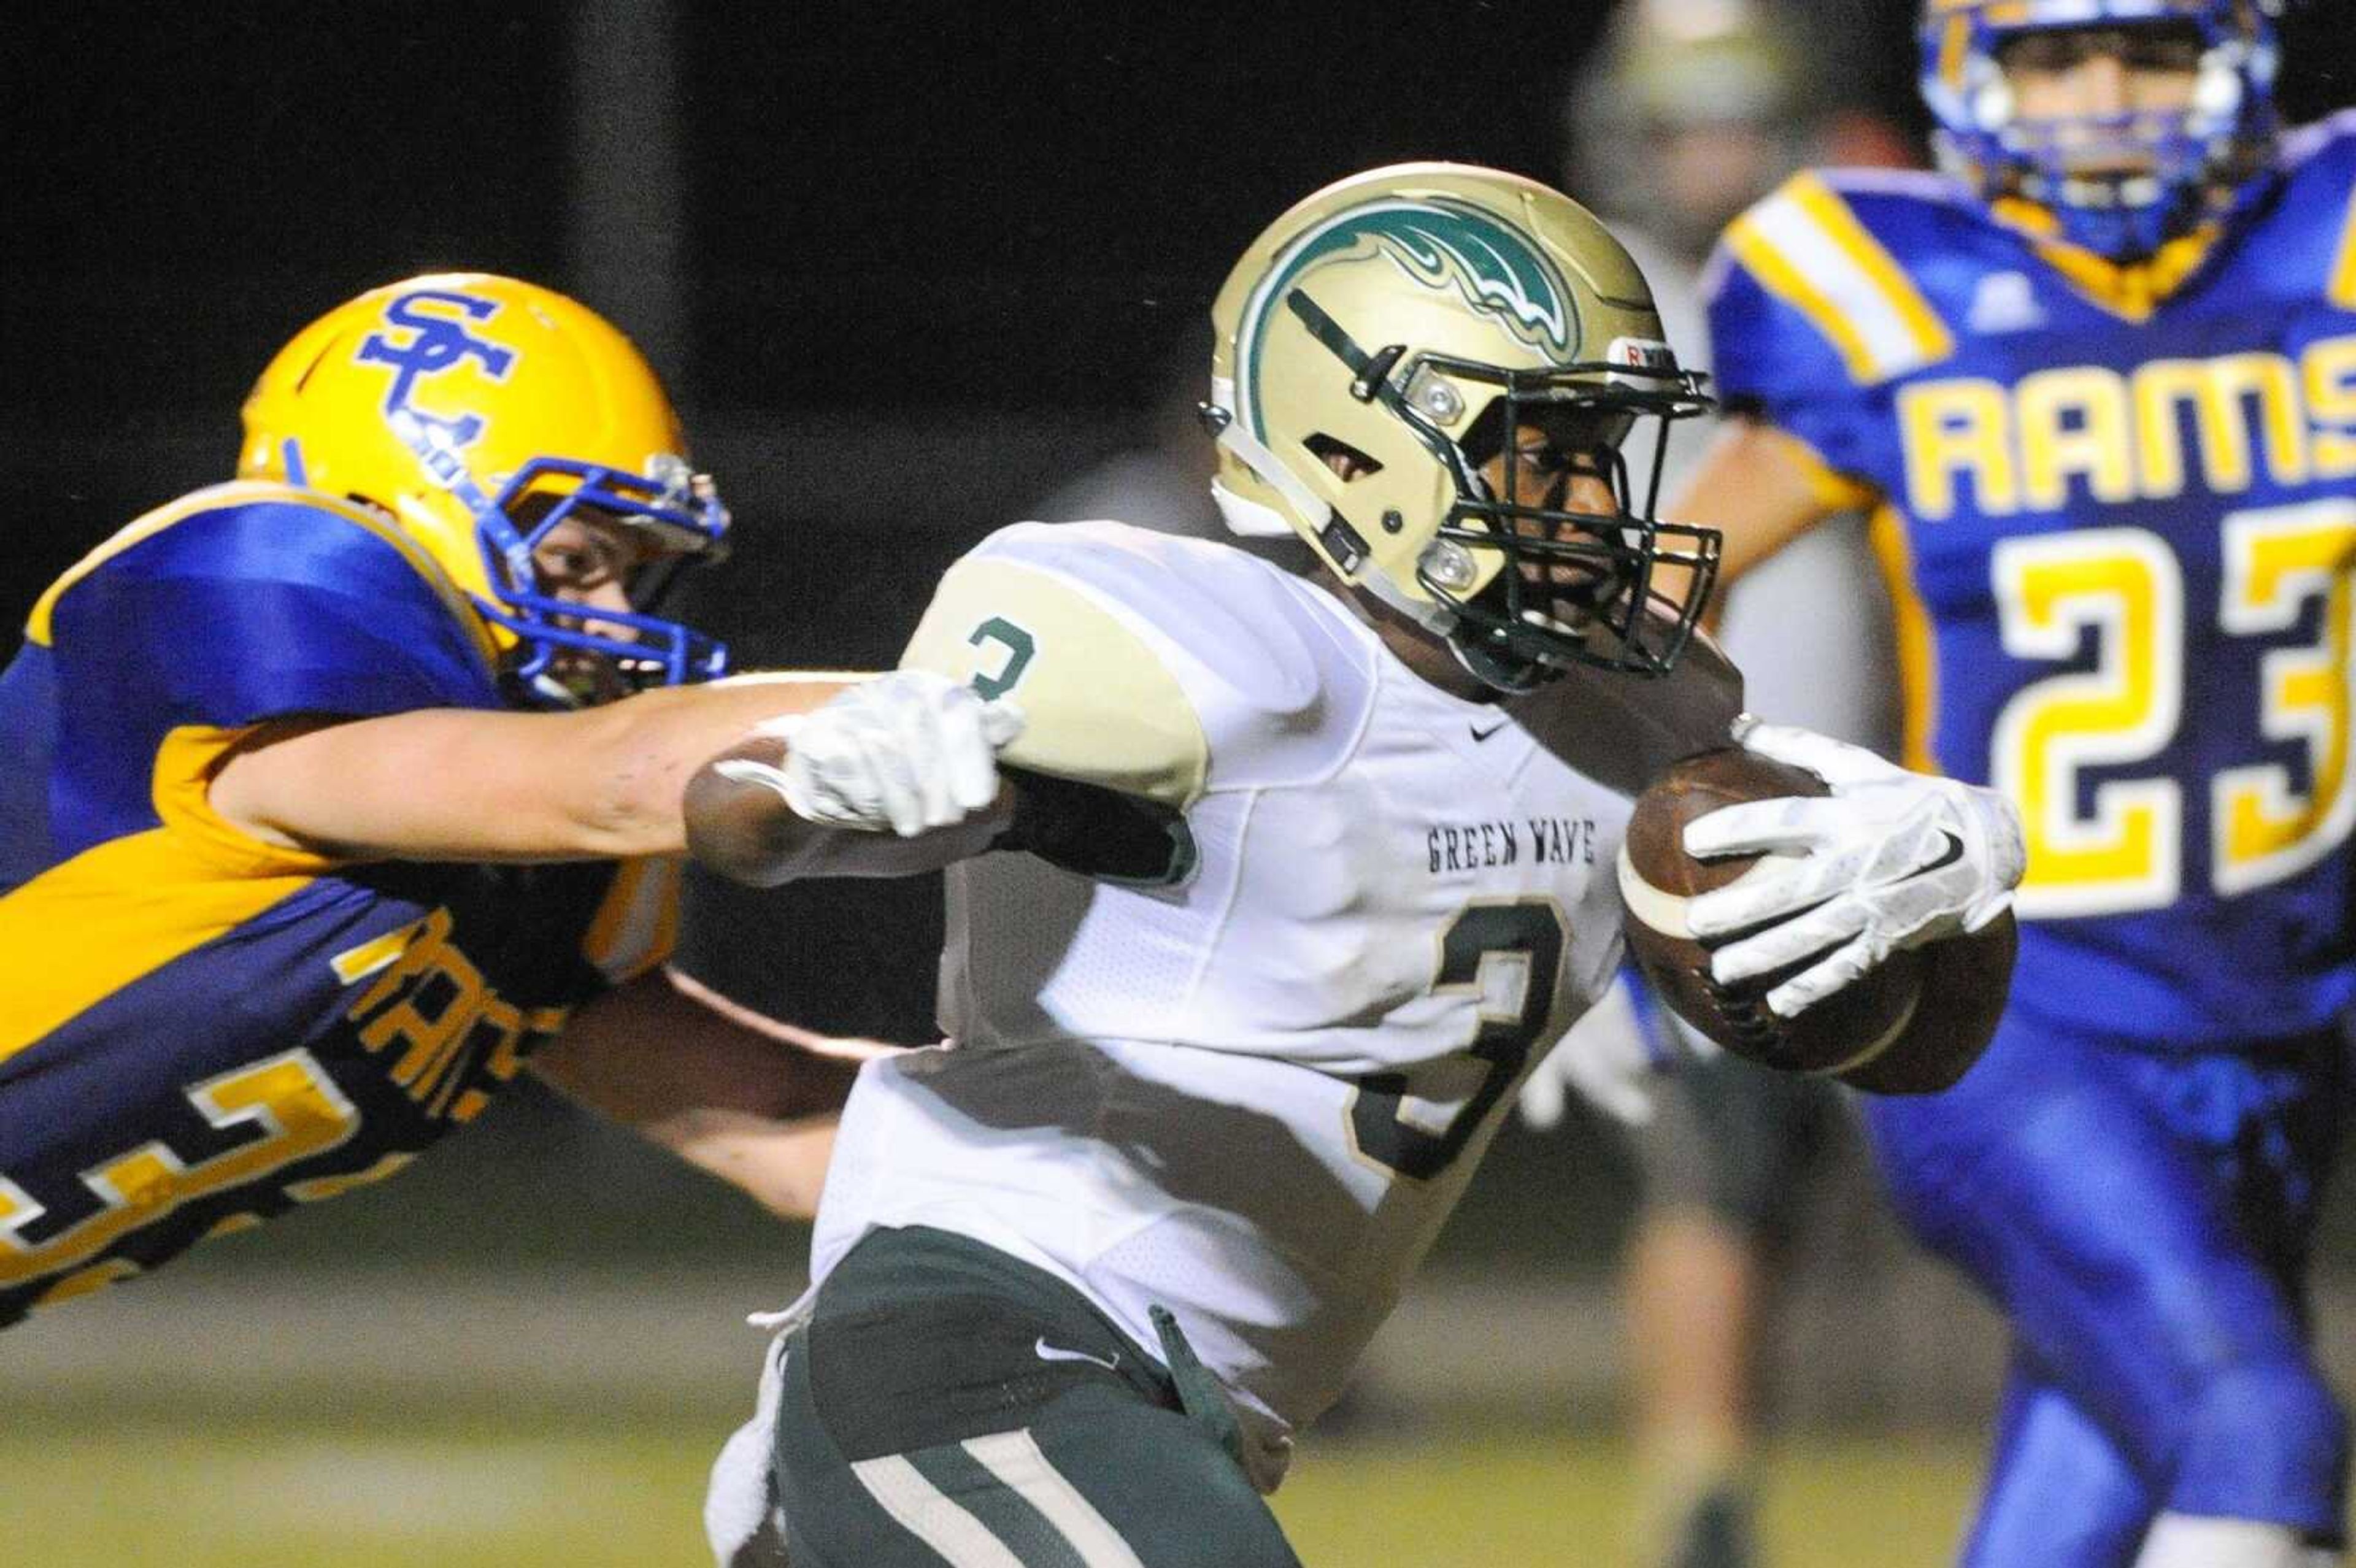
[
  {"x": 1099, "y": 705},
  {"x": 1509, "y": 841}
]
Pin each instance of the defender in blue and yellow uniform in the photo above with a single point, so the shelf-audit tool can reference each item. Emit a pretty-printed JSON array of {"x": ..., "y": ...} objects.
[
  {"x": 2100, "y": 386},
  {"x": 204, "y": 1020}
]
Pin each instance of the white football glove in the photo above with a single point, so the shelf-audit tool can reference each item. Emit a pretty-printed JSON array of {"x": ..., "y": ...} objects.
[
  {"x": 1890, "y": 860},
  {"x": 907, "y": 752},
  {"x": 1611, "y": 1058}
]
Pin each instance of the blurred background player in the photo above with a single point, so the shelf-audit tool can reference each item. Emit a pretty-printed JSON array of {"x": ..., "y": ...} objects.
[
  {"x": 2098, "y": 386},
  {"x": 1684, "y": 114},
  {"x": 335, "y": 795},
  {"x": 1231, "y": 1035}
]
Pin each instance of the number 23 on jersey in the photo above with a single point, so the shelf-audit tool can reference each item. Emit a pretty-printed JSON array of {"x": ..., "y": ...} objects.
[{"x": 2126, "y": 586}]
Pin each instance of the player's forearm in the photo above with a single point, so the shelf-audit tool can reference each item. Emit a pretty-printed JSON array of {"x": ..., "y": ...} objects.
[
  {"x": 643, "y": 753},
  {"x": 646, "y": 1053},
  {"x": 461, "y": 785},
  {"x": 1761, "y": 490}
]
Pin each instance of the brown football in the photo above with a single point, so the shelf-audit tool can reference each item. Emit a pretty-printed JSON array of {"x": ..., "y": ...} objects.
[{"x": 1912, "y": 1024}]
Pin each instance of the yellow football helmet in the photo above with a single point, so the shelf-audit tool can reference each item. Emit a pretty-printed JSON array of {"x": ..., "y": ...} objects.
[
  {"x": 1415, "y": 318},
  {"x": 479, "y": 413}
]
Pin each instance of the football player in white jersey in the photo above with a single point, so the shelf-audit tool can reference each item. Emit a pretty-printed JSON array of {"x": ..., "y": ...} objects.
[{"x": 1293, "y": 876}]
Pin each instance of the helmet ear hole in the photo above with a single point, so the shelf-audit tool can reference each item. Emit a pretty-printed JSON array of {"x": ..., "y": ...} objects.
[
  {"x": 1347, "y": 462},
  {"x": 2217, "y": 92},
  {"x": 1992, "y": 103}
]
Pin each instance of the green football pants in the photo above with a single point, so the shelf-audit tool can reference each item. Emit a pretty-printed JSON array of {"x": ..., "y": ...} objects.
[{"x": 946, "y": 1404}]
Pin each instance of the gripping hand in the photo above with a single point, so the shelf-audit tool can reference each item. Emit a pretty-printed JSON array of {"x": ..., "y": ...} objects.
[
  {"x": 905, "y": 752},
  {"x": 1890, "y": 860}
]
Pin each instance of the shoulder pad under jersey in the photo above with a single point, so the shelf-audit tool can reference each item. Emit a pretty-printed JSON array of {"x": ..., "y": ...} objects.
[
  {"x": 1154, "y": 664},
  {"x": 248, "y": 602}
]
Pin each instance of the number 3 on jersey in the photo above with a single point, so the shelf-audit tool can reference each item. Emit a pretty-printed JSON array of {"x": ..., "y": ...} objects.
[
  {"x": 2126, "y": 585},
  {"x": 1418, "y": 1137}
]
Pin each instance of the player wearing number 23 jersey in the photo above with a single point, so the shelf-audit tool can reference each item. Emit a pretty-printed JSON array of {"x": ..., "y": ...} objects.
[
  {"x": 2121, "y": 530},
  {"x": 2100, "y": 388},
  {"x": 201, "y": 1029}
]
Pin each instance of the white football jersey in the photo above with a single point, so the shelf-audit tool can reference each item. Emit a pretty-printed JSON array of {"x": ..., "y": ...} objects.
[{"x": 1251, "y": 1091}]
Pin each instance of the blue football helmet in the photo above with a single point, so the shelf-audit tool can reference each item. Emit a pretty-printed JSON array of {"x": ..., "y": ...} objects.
[
  {"x": 2207, "y": 161},
  {"x": 480, "y": 412}
]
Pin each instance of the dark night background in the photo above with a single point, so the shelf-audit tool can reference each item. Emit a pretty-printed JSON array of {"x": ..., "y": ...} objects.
[
  {"x": 911, "y": 265},
  {"x": 897, "y": 219},
  {"x": 886, "y": 221}
]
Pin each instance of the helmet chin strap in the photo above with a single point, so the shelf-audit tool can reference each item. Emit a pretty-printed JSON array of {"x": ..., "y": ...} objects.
[
  {"x": 1246, "y": 517},
  {"x": 1252, "y": 520},
  {"x": 555, "y": 693},
  {"x": 1492, "y": 673}
]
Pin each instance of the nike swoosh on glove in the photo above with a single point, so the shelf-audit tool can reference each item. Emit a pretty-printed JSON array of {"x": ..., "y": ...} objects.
[
  {"x": 907, "y": 752},
  {"x": 1890, "y": 860}
]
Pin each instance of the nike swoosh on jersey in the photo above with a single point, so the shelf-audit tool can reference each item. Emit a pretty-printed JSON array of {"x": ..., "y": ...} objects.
[
  {"x": 1480, "y": 734},
  {"x": 1056, "y": 1353}
]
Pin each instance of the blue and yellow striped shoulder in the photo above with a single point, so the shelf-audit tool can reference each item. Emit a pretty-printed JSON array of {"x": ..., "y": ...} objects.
[{"x": 1824, "y": 266}]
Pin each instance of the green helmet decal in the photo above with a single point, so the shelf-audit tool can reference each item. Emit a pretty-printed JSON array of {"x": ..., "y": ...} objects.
[{"x": 1441, "y": 244}]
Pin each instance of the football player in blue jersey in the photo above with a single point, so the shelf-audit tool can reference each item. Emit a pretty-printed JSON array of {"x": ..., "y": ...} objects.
[
  {"x": 2098, "y": 384},
  {"x": 330, "y": 797}
]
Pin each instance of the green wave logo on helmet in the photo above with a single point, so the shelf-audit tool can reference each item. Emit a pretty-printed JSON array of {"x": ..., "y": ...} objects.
[
  {"x": 1440, "y": 244},
  {"x": 1493, "y": 268}
]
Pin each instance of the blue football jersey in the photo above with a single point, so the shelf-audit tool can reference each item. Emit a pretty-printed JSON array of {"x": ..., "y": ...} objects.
[
  {"x": 2117, "y": 510},
  {"x": 198, "y": 1029}
]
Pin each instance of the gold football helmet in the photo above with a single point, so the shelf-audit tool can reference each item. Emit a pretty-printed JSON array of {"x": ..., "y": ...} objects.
[
  {"x": 479, "y": 413},
  {"x": 1413, "y": 320}
]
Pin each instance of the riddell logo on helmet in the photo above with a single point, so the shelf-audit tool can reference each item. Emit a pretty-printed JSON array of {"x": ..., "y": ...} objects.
[
  {"x": 1640, "y": 362},
  {"x": 440, "y": 343},
  {"x": 1641, "y": 354}
]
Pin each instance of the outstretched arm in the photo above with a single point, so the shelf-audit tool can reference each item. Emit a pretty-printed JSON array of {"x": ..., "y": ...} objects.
[{"x": 459, "y": 784}]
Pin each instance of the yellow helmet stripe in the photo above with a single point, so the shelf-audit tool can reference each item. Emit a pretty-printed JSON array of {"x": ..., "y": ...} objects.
[
  {"x": 1954, "y": 46},
  {"x": 1806, "y": 247}
]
